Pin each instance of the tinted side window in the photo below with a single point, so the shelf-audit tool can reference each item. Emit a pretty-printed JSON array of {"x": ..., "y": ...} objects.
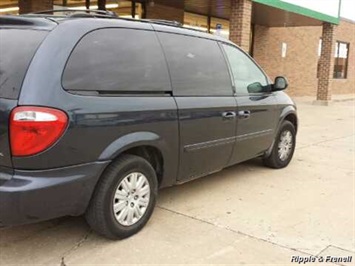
[
  {"x": 117, "y": 60},
  {"x": 197, "y": 66},
  {"x": 248, "y": 78},
  {"x": 17, "y": 47}
]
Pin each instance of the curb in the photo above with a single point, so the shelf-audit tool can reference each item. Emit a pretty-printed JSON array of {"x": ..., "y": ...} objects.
[{"x": 344, "y": 100}]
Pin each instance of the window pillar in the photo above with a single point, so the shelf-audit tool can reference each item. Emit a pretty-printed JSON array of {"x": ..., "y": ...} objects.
[
  {"x": 240, "y": 23},
  {"x": 28, "y": 6},
  {"x": 326, "y": 65}
]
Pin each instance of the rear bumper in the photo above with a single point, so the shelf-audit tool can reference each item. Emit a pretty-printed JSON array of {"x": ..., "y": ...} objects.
[{"x": 33, "y": 196}]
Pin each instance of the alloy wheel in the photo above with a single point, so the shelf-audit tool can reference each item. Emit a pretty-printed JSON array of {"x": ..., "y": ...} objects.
[
  {"x": 131, "y": 199},
  {"x": 285, "y": 145}
]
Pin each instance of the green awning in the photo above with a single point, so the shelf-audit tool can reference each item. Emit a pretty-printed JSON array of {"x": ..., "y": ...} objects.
[{"x": 289, "y": 14}]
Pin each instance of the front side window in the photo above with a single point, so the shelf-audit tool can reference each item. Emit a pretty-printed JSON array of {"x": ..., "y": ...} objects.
[
  {"x": 197, "y": 66},
  {"x": 117, "y": 60},
  {"x": 248, "y": 78},
  {"x": 341, "y": 60}
]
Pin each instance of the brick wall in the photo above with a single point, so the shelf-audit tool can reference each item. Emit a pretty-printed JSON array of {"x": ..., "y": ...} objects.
[
  {"x": 28, "y": 6},
  {"x": 301, "y": 61},
  {"x": 165, "y": 12},
  {"x": 240, "y": 20}
]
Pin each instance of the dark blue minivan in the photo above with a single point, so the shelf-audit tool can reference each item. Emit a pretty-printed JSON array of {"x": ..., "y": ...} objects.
[{"x": 97, "y": 113}]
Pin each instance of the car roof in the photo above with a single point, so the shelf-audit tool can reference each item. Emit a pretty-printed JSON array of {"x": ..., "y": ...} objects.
[{"x": 49, "y": 22}]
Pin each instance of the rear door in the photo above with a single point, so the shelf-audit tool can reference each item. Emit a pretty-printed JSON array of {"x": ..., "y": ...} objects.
[
  {"x": 17, "y": 47},
  {"x": 256, "y": 106},
  {"x": 206, "y": 106}
]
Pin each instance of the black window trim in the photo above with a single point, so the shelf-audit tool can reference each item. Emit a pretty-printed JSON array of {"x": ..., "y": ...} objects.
[
  {"x": 115, "y": 93},
  {"x": 337, "y": 58},
  {"x": 221, "y": 43}
]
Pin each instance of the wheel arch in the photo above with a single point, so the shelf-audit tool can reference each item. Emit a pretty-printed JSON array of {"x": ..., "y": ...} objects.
[
  {"x": 153, "y": 155},
  {"x": 288, "y": 114},
  {"x": 292, "y": 117},
  {"x": 147, "y": 145}
]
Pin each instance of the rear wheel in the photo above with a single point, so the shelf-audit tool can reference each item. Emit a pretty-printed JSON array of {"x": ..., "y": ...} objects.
[
  {"x": 124, "y": 198},
  {"x": 284, "y": 147}
]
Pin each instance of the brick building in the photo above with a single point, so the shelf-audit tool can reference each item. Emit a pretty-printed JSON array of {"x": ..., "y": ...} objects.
[
  {"x": 300, "y": 65},
  {"x": 314, "y": 49}
]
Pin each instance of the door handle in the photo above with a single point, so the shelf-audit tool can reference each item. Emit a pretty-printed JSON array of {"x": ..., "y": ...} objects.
[
  {"x": 229, "y": 115},
  {"x": 244, "y": 114}
]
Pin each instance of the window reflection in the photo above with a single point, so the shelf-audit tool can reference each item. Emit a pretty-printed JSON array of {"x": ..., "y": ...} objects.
[
  {"x": 248, "y": 78},
  {"x": 341, "y": 60},
  {"x": 115, "y": 60},
  {"x": 197, "y": 66}
]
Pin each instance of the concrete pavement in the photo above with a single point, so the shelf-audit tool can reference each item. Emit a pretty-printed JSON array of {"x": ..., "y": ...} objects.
[{"x": 246, "y": 214}]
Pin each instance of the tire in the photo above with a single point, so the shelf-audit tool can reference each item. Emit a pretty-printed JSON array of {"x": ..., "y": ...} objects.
[
  {"x": 276, "y": 159},
  {"x": 111, "y": 191}
]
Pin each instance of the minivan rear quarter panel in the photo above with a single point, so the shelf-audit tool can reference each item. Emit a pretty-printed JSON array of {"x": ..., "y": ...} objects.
[
  {"x": 6, "y": 105},
  {"x": 99, "y": 121}
]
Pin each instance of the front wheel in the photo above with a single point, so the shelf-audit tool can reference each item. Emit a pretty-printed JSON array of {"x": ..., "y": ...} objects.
[
  {"x": 124, "y": 198},
  {"x": 284, "y": 147}
]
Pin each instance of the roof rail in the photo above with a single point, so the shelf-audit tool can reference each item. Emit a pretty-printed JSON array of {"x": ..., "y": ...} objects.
[
  {"x": 164, "y": 22},
  {"x": 20, "y": 21},
  {"x": 82, "y": 13}
]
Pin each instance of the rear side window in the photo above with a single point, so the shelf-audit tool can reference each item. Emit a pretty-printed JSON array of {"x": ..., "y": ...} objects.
[
  {"x": 17, "y": 48},
  {"x": 117, "y": 60},
  {"x": 197, "y": 66}
]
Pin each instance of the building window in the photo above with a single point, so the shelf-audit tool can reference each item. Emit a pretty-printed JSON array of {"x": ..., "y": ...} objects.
[
  {"x": 122, "y": 8},
  {"x": 341, "y": 60},
  {"x": 195, "y": 21},
  {"x": 9, "y": 7},
  {"x": 341, "y": 57},
  {"x": 213, "y": 25},
  {"x": 219, "y": 27},
  {"x": 319, "y": 54}
]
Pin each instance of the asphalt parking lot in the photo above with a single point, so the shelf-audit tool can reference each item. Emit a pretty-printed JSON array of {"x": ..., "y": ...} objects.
[{"x": 246, "y": 214}]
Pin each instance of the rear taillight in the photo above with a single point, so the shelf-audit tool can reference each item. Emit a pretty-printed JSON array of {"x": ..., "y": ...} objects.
[{"x": 35, "y": 129}]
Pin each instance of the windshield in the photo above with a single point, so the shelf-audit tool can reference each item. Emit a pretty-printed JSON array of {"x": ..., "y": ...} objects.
[{"x": 17, "y": 47}]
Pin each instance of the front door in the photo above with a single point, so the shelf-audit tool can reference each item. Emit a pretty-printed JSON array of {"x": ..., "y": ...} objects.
[
  {"x": 206, "y": 104},
  {"x": 256, "y": 116}
]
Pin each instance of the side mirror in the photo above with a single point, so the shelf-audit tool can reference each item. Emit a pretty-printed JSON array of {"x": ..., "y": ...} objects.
[
  {"x": 255, "y": 87},
  {"x": 280, "y": 84}
]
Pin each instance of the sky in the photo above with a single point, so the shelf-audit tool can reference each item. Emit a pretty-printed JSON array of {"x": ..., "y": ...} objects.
[
  {"x": 348, "y": 9},
  {"x": 329, "y": 7}
]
